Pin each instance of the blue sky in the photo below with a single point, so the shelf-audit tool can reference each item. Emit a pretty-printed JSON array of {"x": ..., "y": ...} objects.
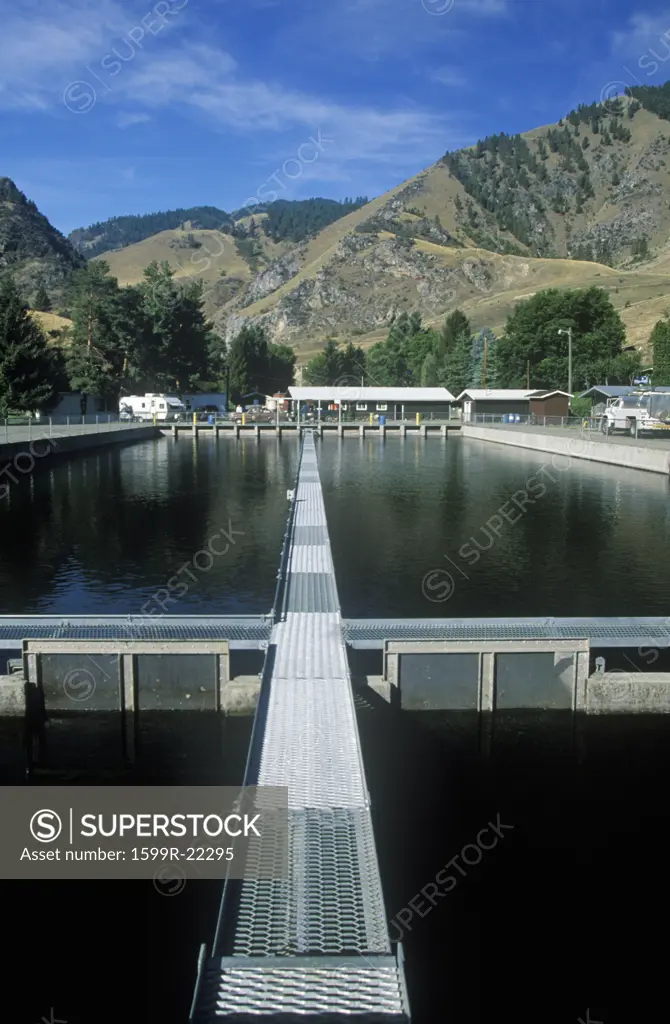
[{"x": 119, "y": 106}]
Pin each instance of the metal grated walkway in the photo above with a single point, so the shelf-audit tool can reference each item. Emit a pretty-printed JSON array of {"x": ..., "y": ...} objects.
[{"x": 314, "y": 946}]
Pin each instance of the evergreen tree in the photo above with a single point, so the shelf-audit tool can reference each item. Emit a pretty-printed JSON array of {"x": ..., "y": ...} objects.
[
  {"x": 27, "y": 368},
  {"x": 256, "y": 365},
  {"x": 42, "y": 302},
  {"x": 456, "y": 327},
  {"x": 96, "y": 357},
  {"x": 660, "y": 344},
  {"x": 175, "y": 342},
  {"x": 429, "y": 371},
  {"x": 248, "y": 359},
  {"x": 456, "y": 370}
]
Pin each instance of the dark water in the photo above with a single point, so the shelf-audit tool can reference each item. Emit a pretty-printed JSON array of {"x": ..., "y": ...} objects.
[
  {"x": 566, "y": 914},
  {"x": 105, "y": 532}
]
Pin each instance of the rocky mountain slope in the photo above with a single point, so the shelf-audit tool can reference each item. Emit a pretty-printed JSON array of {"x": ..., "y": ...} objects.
[
  {"x": 586, "y": 201},
  {"x": 581, "y": 202},
  {"x": 31, "y": 249}
]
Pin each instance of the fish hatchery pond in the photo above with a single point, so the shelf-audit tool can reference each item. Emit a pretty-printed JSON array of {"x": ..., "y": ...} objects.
[{"x": 555, "y": 920}]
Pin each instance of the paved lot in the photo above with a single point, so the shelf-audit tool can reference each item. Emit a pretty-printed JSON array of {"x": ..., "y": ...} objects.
[{"x": 592, "y": 435}]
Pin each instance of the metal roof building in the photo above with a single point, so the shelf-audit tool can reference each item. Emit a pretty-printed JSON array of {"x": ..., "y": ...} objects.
[
  {"x": 495, "y": 394},
  {"x": 369, "y": 394},
  {"x": 612, "y": 391}
]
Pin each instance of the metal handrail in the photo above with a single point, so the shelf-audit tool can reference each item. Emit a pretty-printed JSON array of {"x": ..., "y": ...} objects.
[{"x": 286, "y": 545}]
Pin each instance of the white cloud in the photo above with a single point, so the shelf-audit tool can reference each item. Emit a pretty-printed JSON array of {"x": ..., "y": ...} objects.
[
  {"x": 449, "y": 77},
  {"x": 642, "y": 31},
  {"x": 44, "y": 46},
  {"x": 126, "y": 120}
]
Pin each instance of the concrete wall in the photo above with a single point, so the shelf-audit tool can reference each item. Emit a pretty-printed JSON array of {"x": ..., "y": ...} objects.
[
  {"x": 76, "y": 442},
  {"x": 620, "y": 693},
  {"x": 631, "y": 456}
]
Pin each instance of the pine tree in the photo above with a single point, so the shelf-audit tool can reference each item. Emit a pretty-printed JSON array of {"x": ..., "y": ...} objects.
[
  {"x": 456, "y": 370},
  {"x": 660, "y": 344},
  {"x": 97, "y": 356},
  {"x": 27, "y": 369},
  {"x": 42, "y": 302}
]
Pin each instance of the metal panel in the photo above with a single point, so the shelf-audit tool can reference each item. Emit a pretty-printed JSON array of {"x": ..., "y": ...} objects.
[
  {"x": 72, "y": 683},
  {"x": 536, "y": 679},
  {"x": 439, "y": 682},
  {"x": 312, "y": 592},
  {"x": 309, "y": 646},
  {"x": 183, "y": 682},
  {"x": 367, "y": 990},
  {"x": 311, "y": 535},
  {"x": 599, "y": 631},
  {"x": 310, "y": 558},
  {"x": 242, "y": 632}
]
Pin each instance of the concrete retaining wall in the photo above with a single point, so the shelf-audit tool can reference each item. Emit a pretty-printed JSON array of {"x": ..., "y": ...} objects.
[
  {"x": 20, "y": 457},
  {"x": 619, "y": 693},
  {"x": 631, "y": 456}
]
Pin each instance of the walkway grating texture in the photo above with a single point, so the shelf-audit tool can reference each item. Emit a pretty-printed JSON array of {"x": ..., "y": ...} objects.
[{"x": 315, "y": 946}]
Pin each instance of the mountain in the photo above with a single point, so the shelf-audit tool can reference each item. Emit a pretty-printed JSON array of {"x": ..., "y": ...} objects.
[
  {"x": 580, "y": 202},
  {"x": 118, "y": 232},
  {"x": 284, "y": 219},
  {"x": 31, "y": 249}
]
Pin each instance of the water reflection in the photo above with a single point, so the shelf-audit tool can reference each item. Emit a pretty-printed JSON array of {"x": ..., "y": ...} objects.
[{"x": 102, "y": 532}]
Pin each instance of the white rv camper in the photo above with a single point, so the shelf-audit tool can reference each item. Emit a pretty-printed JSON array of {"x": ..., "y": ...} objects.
[{"x": 145, "y": 407}]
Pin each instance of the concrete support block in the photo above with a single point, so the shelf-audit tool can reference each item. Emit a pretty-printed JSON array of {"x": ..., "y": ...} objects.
[
  {"x": 257, "y": 432},
  {"x": 422, "y": 430},
  {"x": 382, "y": 687},
  {"x": 239, "y": 696},
  {"x": 382, "y": 432},
  {"x": 175, "y": 432},
  {"x": 403, "y": 431},
  {"x": 340, "y": 431},
  {"x": 237, "y": 431},
  {"x": 12, "y": 696},
  {"x": 628, "y": 693},
  {"x": 361, "y": 430},
  {"x": 443, "y": 430}
]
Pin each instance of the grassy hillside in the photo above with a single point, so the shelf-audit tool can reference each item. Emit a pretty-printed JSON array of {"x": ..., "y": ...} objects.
[
  {"x": 567, "y": 205},
  {"x": 489, "y": 226}
]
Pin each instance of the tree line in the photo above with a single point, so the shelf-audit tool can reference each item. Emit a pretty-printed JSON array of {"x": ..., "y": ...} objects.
[
  {"x": 153, "y": 336},
  {"x": 531, "y": 353}
]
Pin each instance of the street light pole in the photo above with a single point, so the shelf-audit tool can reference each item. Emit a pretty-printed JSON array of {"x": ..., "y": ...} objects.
[{"x": 568, "y": 331}]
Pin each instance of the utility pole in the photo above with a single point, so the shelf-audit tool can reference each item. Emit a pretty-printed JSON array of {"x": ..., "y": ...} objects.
[
  {"x": 528, "y": 374},
  {"x": 568, "y": 331},
  {"x": 484, "y": 366}
]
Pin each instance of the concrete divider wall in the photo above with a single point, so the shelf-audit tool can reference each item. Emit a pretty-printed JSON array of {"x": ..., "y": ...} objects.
[
  {"x": 42, "y": 445},
  {"x": 653, "y": 460}
]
